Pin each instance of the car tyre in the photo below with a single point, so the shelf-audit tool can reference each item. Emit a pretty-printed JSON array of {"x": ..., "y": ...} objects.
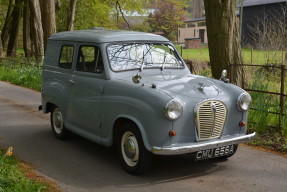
[
  {"x": 57, "y": 124},
  {"x": 134, "y": 157}
]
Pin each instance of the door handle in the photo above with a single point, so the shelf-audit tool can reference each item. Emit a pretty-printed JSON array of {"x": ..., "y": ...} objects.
[{"x": 71, "y": 81}]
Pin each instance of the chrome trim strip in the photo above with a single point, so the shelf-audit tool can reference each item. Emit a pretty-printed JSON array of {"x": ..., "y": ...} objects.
[{"x": 179, "y": 149}]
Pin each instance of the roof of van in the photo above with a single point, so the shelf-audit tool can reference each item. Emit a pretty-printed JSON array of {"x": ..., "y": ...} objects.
[{"x": 104, "y": 36}]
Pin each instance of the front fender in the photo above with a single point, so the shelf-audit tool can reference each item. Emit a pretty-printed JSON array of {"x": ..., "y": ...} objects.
[{"x": 140, "y": 127}]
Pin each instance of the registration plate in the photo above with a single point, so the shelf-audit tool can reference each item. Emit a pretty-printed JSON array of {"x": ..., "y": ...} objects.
[{"x": 215, "y": 152}]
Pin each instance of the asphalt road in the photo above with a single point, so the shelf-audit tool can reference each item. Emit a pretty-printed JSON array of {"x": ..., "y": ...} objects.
[{"x": 80, "y": 165}]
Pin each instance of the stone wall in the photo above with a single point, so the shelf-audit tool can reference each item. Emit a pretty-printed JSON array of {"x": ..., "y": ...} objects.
[{"x": 192, "y": 43}]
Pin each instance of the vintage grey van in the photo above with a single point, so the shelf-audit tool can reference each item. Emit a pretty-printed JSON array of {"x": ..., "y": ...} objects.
[{"x": 133, "y": 90}]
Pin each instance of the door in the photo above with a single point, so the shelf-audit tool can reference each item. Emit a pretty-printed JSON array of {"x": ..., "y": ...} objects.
[
  {"x": 86, "y": 91},
  {"x": 201, "y": 35}
]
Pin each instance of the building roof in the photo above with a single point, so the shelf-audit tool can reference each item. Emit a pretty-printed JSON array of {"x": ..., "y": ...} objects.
[
  {"x": 100, "y": 35},
  {"x": 194, "y": 20},
  {"x": 248, "y": 3}
]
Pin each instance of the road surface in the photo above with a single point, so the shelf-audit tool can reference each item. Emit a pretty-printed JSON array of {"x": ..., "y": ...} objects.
[{"x": 78, "y": 165}]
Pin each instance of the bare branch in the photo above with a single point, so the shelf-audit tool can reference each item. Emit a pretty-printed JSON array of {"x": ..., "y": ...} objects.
[{"x": 119, "y": 8}]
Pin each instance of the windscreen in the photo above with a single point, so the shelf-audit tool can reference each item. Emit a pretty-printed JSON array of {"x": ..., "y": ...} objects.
[{"x": 142, "y": 55}]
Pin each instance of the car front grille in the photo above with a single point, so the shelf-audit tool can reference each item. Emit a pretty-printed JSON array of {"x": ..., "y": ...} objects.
[{"x": 210, "y": 119}]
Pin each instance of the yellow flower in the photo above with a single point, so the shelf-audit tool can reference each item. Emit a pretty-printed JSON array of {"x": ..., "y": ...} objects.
[{"x": 9, "y": 151}]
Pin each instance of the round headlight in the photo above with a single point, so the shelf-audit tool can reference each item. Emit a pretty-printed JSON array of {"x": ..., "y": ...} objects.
[
  {"x": 244, "y": 101},
  {"x": 173, "y": 109}
]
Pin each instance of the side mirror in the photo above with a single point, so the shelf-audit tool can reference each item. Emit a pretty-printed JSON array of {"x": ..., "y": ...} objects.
[{"x": 224, "y": 76}]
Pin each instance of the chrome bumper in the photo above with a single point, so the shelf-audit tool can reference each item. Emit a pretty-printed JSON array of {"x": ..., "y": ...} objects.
[{"x": 183, "y": 148}]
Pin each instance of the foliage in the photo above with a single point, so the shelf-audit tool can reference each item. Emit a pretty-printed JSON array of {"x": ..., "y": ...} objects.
[
  {"x": 168, "y": 16},
  {"x": 266, "y": 104},
  {"x": 97, "y": 13},
  {"x": 24, "y": 75},
  {"x": 270, "y": 139},
  {"x": 12, "y": 177}
]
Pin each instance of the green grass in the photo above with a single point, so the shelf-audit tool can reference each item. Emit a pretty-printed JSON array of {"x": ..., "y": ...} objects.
[
  {"x": 249, "y": 56},
  {"x": 265, "y": 104},
  {"x": 12, "y": 178},
  {"x": 27, "y": 76}
]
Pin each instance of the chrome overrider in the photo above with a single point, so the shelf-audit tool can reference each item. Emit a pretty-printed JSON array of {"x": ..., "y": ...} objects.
[{"x": 183, "y": 148}]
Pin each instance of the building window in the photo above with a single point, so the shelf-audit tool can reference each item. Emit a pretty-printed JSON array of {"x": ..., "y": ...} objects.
[
  {"x": 201, "y": 24},
  {"x": 66, "y": 58},
  {"x": 183, "y": 26},
  {"x": 194, "y": 32},
  {"x": 189, "y": 25}
]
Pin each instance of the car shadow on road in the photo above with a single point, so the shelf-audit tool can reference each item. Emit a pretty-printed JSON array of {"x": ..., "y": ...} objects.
[{"x": 81, "y": 163}]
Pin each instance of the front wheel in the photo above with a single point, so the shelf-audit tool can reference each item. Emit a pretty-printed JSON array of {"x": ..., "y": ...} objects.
[
  {"x": 135, "y": 159},
  {"x": 57, "y": 124}
]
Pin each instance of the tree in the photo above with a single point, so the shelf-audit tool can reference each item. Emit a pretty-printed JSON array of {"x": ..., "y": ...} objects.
[
  {"x": 71, "y": 15},
  {"x": 48, "y": 19},
  {"x": 168, "y": 16},
  {"x": 27, "y": 42},
  {"x": 1, "y": 48},
  {"x": 7, "y": 24},
  {"x": 13, "y": 39},
  {"x": 223, "y": 39},
  {"x": 36, "y": 29},
  {"x": 268, "y": 32},
  {"x": 197, "y": 9}
]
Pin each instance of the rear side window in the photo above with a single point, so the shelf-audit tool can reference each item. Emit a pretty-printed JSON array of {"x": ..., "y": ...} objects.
[
  {"x": 66, "y": 58},
  {"x": 90, "y": 59}
]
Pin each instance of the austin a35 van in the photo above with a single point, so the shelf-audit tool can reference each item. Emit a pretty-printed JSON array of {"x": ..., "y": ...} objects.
[{"x": 133, "y": 90}]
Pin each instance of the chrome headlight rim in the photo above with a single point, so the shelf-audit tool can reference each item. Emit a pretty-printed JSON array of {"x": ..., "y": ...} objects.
[
  {"x": 240, "y": 104},
  {"x": 167, "y": 111}
]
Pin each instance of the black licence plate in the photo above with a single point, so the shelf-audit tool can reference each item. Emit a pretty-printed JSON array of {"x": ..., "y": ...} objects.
[{"x": 215, "y": 152}]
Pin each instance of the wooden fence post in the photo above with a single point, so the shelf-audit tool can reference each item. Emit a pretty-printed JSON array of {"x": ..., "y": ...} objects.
[
  {"x": 251, "y": 55},
  {"x": 282, "y": 91}
]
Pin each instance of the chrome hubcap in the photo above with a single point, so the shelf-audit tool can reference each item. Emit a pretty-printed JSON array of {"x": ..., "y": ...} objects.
[
  {"x": 58, "y": 120},
  {"x": 130, "y": 149}
]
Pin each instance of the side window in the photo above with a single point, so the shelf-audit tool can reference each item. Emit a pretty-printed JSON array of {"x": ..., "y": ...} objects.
[
  {"x": 66, "y": 57},
  {"x": 90, "y": 59}
]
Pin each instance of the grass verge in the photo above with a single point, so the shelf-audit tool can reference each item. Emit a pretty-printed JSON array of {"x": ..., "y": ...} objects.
[
  {"x": 271, "y": 139},
  {"x": 17, "y": 176},
  {"x": 27, "y": 76}
]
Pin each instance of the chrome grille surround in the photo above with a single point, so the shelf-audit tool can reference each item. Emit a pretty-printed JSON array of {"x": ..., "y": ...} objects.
[{"x": 210, "y": 119}]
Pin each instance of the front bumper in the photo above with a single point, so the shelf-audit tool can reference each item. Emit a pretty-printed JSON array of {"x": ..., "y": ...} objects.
[{"x": 183, "y": 148}]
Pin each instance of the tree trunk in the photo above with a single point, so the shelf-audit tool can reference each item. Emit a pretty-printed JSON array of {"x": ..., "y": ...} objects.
[
  {"x": 196, "y": 9},
  {"x": 71, "y": 15},
  {"x": 36, "y": 29},
  {"x": 58, "y": 5},
  {"x": 27, "y": 44},
  {"x": 48, "y": 19},
  {"x": 13, "y": 40},
  {"x": 223, "y": 39},
  {"x": 7, "y": 24},
  {"x": 1, "y": 48}
]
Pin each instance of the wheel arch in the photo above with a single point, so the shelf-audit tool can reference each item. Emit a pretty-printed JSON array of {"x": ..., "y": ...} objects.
[
  {"x": 121, "y": 121},
  {"x": 48, "y": 107}
]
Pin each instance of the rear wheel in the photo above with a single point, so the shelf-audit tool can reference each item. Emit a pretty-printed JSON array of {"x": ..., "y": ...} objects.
[
  {"x": 134, "y": 158},
  {"x": 57, "y": 124}
]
